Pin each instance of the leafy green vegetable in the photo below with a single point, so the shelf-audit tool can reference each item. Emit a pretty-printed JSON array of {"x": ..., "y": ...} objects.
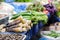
[
  {"x": 53, "y": 34},
  {"x": 35, "y": 7},
  {"x": 22, "y": 14},
  {"x": 33, "y": 16},
  {"x": 39, "y": 16}
]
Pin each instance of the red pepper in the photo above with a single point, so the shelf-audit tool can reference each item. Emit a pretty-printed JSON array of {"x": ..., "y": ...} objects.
[{"x": 45, "y": 11}]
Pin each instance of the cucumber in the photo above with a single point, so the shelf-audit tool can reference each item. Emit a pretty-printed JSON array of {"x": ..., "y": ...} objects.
[
  {"x": 14, "y": 17},
  {"x": 27, "y": 17},
  {"x": 25, "y": 14}
]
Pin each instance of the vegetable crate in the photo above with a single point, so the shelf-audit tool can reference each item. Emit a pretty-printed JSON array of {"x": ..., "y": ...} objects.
[
  {"x": 29, "y": 34},
  {"x": 34, "y": 30}
]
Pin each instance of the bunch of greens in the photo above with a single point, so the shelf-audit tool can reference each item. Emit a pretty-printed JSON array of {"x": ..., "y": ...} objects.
[
  {"x": 33, "y": 16},
  {"x": 53, "y": 34},
  {"x": 58, "y": 14},
  {"x": 23, "y": 0},
  {"x": 26, "y": 15},
  {"x": 39, "y": 16},
  {"x": 35, "y": 7}
]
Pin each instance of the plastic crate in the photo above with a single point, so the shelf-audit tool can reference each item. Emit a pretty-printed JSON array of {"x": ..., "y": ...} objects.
[
  {"x": 28, "y": 35},
  {"x": 32, "y": 32},
  {"x": 35, "y": 29},
  {"x": 40, "y": 25}
]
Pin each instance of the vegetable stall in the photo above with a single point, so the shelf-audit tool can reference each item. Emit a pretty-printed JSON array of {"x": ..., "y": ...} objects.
[{"x": 23, "y": 20}]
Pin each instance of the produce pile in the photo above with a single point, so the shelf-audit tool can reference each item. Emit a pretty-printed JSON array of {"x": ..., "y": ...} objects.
[
  {"x": 27, "y": 19},
  {"x": 19, "y": 25},
  {"x": 53, "y": 34},
  {"x": 35, "y": 7},
  {"x": 23, "y": 21},
  {"x": 33, "y": 16}
]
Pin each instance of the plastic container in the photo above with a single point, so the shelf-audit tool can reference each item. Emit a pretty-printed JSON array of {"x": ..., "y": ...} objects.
[{"x": 32, "y": 32}]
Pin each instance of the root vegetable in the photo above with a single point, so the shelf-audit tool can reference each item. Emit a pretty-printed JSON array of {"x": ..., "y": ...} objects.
[{"x": 19, "y": 29}]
